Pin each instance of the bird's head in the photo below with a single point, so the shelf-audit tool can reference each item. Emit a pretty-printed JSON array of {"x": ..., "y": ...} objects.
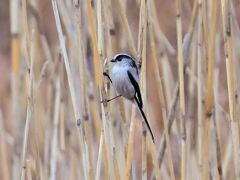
[{"x": 122, "y": 59}]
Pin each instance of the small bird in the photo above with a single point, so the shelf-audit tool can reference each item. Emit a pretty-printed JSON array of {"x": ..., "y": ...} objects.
[{"x": 125, "y": 79}]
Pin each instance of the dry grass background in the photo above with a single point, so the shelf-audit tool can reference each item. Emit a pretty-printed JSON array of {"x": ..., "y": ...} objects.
[{"x": 53, "y": 53}]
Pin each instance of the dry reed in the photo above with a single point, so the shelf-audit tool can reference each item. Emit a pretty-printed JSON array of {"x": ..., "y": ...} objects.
[{"x": 190, "y": 96}]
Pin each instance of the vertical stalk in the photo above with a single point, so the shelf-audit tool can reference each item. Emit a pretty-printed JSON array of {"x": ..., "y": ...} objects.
[
  {"x": 30, "y": 109},
  {"x": 142, "y": 49},
  {"x": 231, "y": 80},
  {"x": 217, "y": 125},
  {"x": 99, "y": 160},
  {"x": 15, "y": 57},
  {"x": 209, "y": 95},
  {"x": 54, "y": 144},
  {"x": 199, "y": 84},
  {"x": 107, "y": 138},
  {"x": 181, "y": 91},
  {"x": 5, "y": 170},
  {"x": 94, "y": 44},
  {"x": 130, "y": 145}
]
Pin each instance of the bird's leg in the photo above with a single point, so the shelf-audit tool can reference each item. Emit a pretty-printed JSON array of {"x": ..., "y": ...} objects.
[
  {"x": 108, "y": 100},
  {"x": 106, "y": 74}
]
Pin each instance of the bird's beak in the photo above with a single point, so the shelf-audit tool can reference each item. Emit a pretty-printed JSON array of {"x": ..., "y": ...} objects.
[{"x": 113, "y": 60}]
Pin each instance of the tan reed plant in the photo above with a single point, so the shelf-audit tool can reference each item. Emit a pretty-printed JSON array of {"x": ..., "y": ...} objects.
[
  {"x": 181, "y": 91},
  {"x": 209, "y": 96},
  {"x": 228, "y": 35},
  {"x": 190, "y": 96}
]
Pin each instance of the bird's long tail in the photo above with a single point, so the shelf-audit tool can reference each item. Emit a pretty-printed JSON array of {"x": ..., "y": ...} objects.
[{"x": 144, "y": 117}]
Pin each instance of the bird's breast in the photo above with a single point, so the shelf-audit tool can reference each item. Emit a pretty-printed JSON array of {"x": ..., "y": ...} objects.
[{"x": 122, "y": 83}]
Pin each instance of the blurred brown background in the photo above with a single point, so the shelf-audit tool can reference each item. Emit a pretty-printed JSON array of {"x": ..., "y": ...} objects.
[
  {"x": 46, "y": 24},
  {"x": 166, "y": 15}
]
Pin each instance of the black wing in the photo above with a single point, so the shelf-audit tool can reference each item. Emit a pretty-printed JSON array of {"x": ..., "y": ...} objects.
[
  {"x": 136, "y": 87},
  {"x": 138, "y": 99}
]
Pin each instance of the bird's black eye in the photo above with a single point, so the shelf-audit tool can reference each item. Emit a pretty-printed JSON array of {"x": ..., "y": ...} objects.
[{"x": 119, "y": 59}]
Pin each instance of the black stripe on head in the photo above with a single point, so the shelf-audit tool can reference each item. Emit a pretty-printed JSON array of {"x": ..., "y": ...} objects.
[{"x": 119, "y": 57}]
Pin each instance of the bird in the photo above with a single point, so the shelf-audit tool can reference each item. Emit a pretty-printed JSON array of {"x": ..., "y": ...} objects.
[{"x": 125, "y": 80}]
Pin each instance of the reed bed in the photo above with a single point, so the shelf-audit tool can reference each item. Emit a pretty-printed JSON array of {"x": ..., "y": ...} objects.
[{"x": 189, "y": 84}]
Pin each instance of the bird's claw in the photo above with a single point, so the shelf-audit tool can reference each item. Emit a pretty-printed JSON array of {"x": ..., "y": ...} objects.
[
  {"x": 104, "y": 101},
  {"x": 105, "y": 74}
]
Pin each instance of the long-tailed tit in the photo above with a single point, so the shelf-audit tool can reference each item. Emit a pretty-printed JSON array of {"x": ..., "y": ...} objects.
[{"x": 125, "y": 79}]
